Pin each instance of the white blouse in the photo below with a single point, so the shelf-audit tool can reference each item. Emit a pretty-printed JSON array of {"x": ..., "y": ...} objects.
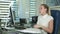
[{"x": 44, "y": 21}]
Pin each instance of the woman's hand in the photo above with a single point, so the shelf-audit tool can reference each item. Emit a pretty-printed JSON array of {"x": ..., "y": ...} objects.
[{"x": 37, "y": 26}]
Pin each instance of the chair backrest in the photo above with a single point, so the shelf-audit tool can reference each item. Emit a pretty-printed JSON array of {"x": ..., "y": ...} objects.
[
  {"x": 34, "y": 20},
  {"x": 56, "y": 16}
]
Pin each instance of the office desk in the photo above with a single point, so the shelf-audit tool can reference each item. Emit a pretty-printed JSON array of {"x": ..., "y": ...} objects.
[
  {"x": 30, "y": 30},
  {"x": 8, "y": 30},
  {"x": 24, "y": 31}
]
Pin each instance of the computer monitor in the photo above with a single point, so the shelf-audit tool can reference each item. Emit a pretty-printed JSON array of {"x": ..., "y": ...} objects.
[
  {"x": 23, "y": 21},
  {"x": 12, "y": 22}
]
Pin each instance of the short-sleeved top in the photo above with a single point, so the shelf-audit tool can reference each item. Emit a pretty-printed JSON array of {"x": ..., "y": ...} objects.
[{"x": 44, "y": 21}]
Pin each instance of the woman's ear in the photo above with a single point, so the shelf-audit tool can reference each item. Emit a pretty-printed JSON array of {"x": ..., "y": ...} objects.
[{"x": 46, "y": 10}]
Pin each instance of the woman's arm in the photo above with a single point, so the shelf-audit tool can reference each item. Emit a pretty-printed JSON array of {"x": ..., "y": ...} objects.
[{"x": 50, "y": 27}]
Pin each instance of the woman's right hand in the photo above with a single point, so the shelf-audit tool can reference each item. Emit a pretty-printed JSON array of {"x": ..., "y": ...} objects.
[{"x": 36, "y": 26}]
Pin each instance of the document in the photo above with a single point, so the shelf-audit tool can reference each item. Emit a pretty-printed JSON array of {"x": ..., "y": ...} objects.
[{"x": 30, "y": 30}]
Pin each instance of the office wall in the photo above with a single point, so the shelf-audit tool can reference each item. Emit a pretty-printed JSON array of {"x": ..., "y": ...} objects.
[
  {"x": 24, "y": 7},
  {"x": 23, "y": 10}
]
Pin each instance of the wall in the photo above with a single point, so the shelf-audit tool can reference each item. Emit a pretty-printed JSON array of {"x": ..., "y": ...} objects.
[{"x": 23, "y": 10}]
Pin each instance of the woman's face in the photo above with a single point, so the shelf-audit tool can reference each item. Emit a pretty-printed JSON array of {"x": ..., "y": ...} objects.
[{"x": 42, "y": 9}]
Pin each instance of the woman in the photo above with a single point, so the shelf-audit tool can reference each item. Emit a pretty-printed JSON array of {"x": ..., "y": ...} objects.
[{"x": 45, "y": 21}]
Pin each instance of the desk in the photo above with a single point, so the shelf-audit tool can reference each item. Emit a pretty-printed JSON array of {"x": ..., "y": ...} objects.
[
  {"x": 27, "y": 30},
  {"x": 30, "y": 30},
  {"x": 8, "y": 30}
]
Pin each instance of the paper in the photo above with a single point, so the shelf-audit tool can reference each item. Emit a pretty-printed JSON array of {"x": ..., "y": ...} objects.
[{"x": 31, "y": 30}]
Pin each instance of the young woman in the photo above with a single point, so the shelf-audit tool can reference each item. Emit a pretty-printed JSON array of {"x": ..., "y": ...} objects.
[{"x": 45, "y": 21}]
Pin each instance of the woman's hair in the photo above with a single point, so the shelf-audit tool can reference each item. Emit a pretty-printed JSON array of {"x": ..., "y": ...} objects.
[{"x": 46, "y": 7}]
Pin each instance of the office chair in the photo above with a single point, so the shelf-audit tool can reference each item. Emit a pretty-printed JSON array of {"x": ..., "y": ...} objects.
[
  {"x": 34, "y": 20},
  {"x": 56, "y": 15}
]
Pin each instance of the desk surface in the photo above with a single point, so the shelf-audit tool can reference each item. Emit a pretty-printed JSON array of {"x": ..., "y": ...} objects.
[
  {"x": 30, "y": 30},
  {"x": 27, "y": 30}
]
